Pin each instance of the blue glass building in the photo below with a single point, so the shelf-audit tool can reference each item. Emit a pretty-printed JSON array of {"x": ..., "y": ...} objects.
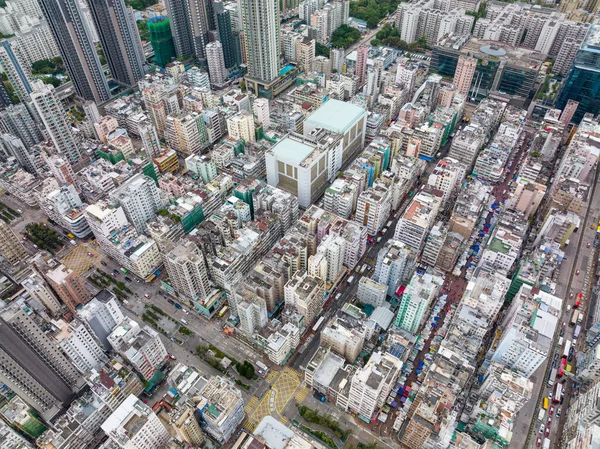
[{"x": 583, "y": 81}]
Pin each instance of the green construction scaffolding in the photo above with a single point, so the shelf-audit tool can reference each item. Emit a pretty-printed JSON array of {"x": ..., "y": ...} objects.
[{"x": 161, "y": 40}]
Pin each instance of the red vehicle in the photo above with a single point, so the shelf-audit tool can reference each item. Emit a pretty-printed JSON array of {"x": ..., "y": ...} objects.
[
  {"x": 538, "y": 442},
  {"x": 578, "y": 300},
  {"x": 547, "y": 431},
  {"x": 551, "y": 411},
  {"x": 571, "y": 295}
]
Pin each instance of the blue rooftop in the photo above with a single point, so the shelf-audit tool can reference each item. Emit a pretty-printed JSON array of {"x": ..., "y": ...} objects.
[{"x": 337, "y": 116}]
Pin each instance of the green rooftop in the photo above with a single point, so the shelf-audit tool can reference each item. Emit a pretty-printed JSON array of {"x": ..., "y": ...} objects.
[
  {"x": 498, "y": 246},
  {"x": 292, "y": 151},
  {"x": 335, "y": 115}
]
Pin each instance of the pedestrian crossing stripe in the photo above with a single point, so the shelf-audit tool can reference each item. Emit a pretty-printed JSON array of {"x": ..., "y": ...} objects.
[
  {"x": 271, "y": 377},
  {"x": 250, "y": 425},
  {"x": 284, "y": 421},
  {"x": 301, "y": 396}
]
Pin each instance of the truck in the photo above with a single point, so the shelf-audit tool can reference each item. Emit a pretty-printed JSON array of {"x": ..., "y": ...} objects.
[
  {"x": 578, "y": 300},
  {"x": 546, "y": 443},
  {"x": 350, "y": 279},
  {"x": 574, "y": 317},
  {"x": 552, "y": 376},
  {"x": 580, "y": 318},
  {"x": 388, "y": 224},
  {"x": 541, "y": 414},
  {"x": 577, "y": 331}
]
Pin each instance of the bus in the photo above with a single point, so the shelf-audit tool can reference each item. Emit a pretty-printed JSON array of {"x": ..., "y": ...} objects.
[
  {"x": 223, "y": 311},
  {"x": 567, "y": 347},
  {"x": 552, "y": 376},
  {"x": 578, "y": 300},
  {"x": 545, "y": 404},
  {"x": 557, "y": 393},
  {"x": 574, "y": 318},
  {"x": 318, "y": 324}
]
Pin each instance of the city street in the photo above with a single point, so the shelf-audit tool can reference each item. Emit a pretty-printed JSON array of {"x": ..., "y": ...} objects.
[
  {"x": 578, "y": 258},
  {"x": 208, "y": 331}
]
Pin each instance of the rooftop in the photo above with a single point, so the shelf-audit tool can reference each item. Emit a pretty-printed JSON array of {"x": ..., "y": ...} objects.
[{"x": 335, "y": 115}]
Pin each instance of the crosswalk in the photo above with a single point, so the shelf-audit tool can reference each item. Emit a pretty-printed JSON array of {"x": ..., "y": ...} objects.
[
  {"x": 250, "y": 425},
  {"x": 251, "y": 404},
  {"x": 271, "y": 377},
  {"x": 293, "y": 372},
  {"x": 302, "y": 394},
  {"x": 283, "y": 420}
]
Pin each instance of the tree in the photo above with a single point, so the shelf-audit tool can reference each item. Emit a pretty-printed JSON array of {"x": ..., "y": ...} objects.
[
  {"x": 344, "y": 36},
  {"x": 143, "y": 29},
  {"x": 321, "y": 50}
]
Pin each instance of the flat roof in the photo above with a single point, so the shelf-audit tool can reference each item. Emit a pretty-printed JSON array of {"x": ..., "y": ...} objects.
[
  {"x": 292, "y": 150},
  {"x": 336, "y": 115}
]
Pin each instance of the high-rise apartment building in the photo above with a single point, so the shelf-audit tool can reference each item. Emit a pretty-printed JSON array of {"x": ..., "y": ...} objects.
[
  {"x": 32, "y": 365},
  {"x": 262, "y": 114},
  {"x": 135, "y": 426},
  {"x": 68, "y": 286},
  {"x": 77, "y": 49},
  {"x": 187, "y": 271},
  {"x": 139, "y": 197},
  {"x": 11, "y": 248},
  {"x": 216, "y": 63},
  {"x": 241, "y": 126},
  {"x": 226, "y": 35},
  {"x": 120, "y": 39},
  {"x": 102, "y": 314},
  {"x": 261, "y": 32},
  {"x": 40, "y": 291},
  {"x": 53, "y": 117},
  {"x": 161, "y": 39},
  {"x": 305, "y": 54},
  {"x": 465, "y": 70},
  {"x": 189, "y": 21},
  {"x": 416, "y": 301},
  {"x": 80, "y": 346},
  {"x": 361, "y": 63},
  {"x": 21, "y": 121},
  {"x": 11, "y": 66}
]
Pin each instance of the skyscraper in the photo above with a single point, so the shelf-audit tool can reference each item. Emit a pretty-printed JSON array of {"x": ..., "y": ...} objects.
[
  {"x": 583, "y": 80},
  {"x": 54, "y": 119},
  {"x": 463, "y": 77},
  {"x": 226, "y": 37},
  {"x": 261, "y": 31},
  {"x": 32, "y": 365},
  {"x": 72, "y": 36},
  {"x": 216, "y": 63},
  {"x": 162, "y": 40},
  {"x": 361, "y": 63},
  {"x": 10, "y": 246},
  {"x": 14, "y": 72},
  {"x": 120, "y": 39},
  {"x": 189, "y": 24}
]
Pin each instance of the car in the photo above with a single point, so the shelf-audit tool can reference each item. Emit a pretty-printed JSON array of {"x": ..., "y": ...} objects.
[
  {"x": 588, "y": 245},
  {"x": 558, "y": 412},
  {"x": 103, "y": 263},
  {"x": 541, "y": 428},
  {"x": 551, "y": 411},
  {"x": 146, "y": 295},
  {"x": 562, "y": 332},
  {"x": 577, "y": 273},
  {"x": 89, "y": 254},
  {"x": 113, "y": 275},
  {"x": 564, "y": 324},
  {"x": 538, "y": 442},
  {"x": 24, "y": 238},
  {"x": 547, "y": 431},
  {"x": 568, "y": 307},
  {"x": 172, "y": 357},
  {"x": 128, "y": 279},
  {"x": 571, "y": 295}
]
